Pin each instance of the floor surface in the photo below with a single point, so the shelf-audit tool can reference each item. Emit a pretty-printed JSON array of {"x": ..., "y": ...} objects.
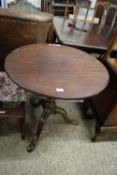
[{"x": 63, "y": 149}]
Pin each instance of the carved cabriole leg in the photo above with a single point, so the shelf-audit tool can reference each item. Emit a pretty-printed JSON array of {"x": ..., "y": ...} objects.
[
  {"x": 65, "y": 116},
  {"x": 55, "y": 109},
  {"x": 36, "y": 135}
]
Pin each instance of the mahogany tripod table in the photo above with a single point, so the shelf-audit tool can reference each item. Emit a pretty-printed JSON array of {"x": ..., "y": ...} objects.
[{"x": 55, "y": 71}]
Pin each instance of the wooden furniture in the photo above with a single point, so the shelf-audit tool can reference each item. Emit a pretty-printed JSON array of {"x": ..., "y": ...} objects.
[
  {"x": 94, "y": 35},
  {"x": 107, "y": 13},
  {"x": 90, "y": 41},
  {"x": 12, "y": 101},
  {"x": 104, "y": 105},
  {"x": 29, "y": 28},
  {"x": 65, "y": 7},
  {"x": 56, "y": 71},
  {"x": 18, "y": 28},
  {"x": 46, "y": 6},
  {"x": 16, "y": 111},
  {"x": 58, "y": 7},
  {"x": 85, "y": 4}
]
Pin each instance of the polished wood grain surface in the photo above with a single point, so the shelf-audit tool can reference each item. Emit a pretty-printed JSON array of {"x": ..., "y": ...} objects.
[
  {"x": 56, "y": 71},
  {"x": 92, "y": 41}
]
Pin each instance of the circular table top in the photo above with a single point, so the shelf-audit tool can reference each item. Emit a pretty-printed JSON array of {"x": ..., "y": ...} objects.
[{"x": 56, "y": 71}]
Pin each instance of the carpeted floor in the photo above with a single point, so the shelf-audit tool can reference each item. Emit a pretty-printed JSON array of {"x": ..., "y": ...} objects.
[{"x": 63, "y": 149}]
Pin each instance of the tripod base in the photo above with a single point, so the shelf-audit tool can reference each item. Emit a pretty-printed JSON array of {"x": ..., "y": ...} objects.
[{"x": 49, "y": 107}]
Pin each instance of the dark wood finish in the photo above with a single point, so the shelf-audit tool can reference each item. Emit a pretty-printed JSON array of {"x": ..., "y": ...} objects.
[
  {"x": 91, "y": 41},
  {"x": 110, "y": 48},
  {"x": 55, "y": 71},
  {"x": 104, "y": 105},
  {"x": 49, "y": 107},
  {"x": 58, "y": 7},
  {"x": 16, "y": 111}
]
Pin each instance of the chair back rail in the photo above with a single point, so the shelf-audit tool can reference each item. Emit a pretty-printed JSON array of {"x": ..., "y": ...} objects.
[
  {"x": 107, "y": 14},
  {"x": 110, "y": 48}
]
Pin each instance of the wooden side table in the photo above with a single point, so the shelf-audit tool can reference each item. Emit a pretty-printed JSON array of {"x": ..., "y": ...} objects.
[{"x": 55, "y": 71}]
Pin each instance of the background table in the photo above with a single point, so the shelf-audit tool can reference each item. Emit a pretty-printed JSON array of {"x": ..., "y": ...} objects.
[
  {"x": 91, "y": 41},
  {"x": 55, "y": 71}
]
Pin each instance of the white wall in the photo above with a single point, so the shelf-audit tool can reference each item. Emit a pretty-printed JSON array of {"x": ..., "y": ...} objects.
[
  {"x": 93, "y": 3},
  {"x": 36, "y": 2}
]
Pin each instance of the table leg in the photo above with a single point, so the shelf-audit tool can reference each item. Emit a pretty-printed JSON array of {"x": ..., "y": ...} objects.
[
  {"x": 65, "y": 116},
  {"x": 49, "y": 107},
  {"x": 41, "y": 123}
]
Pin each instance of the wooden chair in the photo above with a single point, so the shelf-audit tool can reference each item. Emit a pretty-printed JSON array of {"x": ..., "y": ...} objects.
[
  {"x": 18, "y": 28},
  {"x": 104, "y": 105},
  {"x": 104, "y": 14},
  {"x": 107, "y": 56},
  {"x": 107, "y": 14},
  {"x": 77, "y": 6},
  {"x": 12, "y": 101}
]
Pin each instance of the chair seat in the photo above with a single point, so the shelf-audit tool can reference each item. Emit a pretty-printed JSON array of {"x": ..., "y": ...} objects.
[{"x": 9, "y": 91}]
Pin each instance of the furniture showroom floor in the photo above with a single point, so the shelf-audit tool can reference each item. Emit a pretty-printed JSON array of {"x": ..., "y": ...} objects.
[{"x": 63, "y": 149}]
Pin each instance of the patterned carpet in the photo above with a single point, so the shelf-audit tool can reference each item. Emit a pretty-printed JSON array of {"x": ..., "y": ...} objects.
[{"x": 9, "y": 91}]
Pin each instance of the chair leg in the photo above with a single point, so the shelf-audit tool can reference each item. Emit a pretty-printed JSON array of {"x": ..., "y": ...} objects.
[
  {"x": 1, "y": 103},
  {"x": 97, "y": 131},
  {"x": 23, "y": 126}
]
